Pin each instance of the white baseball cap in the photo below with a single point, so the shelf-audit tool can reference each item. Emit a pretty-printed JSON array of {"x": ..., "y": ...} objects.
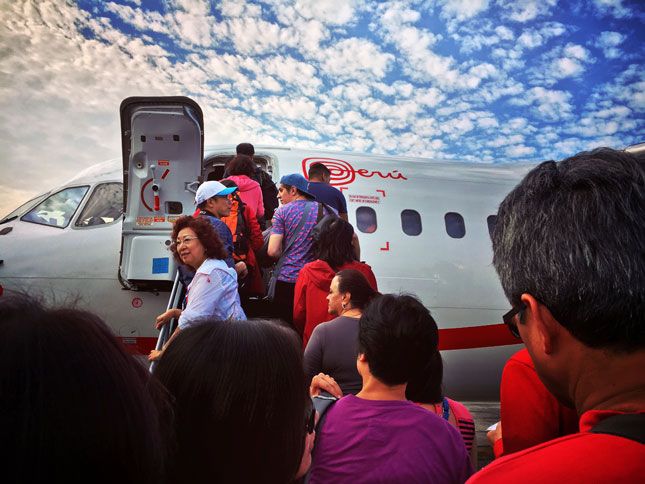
[{"x": 211, "y": 189}]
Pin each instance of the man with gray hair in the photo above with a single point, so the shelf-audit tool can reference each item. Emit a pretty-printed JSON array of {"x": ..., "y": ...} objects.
[{"x": 569, "y": 248}]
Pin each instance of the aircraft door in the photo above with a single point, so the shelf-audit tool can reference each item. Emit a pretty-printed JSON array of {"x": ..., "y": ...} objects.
[{"x": 162, "y": 150}]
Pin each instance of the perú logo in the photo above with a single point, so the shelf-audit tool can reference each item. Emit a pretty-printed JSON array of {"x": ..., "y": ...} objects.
[{"x": 342, "y": 173}]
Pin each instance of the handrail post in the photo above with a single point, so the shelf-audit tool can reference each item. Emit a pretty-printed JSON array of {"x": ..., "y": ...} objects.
[{"x": 173, "y": 302}]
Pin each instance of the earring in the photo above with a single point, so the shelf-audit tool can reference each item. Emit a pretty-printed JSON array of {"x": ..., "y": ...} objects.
[{"x": 343, "y": 305}]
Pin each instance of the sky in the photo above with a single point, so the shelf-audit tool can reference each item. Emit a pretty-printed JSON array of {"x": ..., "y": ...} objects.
[{"x": 489, "y": 81}]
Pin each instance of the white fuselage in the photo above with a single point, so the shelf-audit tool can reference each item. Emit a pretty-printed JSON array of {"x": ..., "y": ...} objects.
[{"x": 454, "y": 277}]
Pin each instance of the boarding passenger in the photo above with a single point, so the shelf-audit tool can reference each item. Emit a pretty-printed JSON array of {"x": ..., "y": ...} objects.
[
  {"x": 213, "y": 291},
  {"x": 518, "y": 429},
  {"x": 425, "y": 389},
  {"x": 74, "y": 405},
  {"x": 212, "y": 200},
  {"x": 241, "y": 410},
  {"x": 291, "y": 240},
  {"x": 333, "y": 347},
  {"x": 267, "y": 185},
  {"x": 241, "y": 170},
  {"x": 333, "y": 252},
  {"x": 378, "y": 435},
  {"x": 319, "y": 184},
  {"x": 569, "y": 249},
  {"x": 247, "y": 238}
]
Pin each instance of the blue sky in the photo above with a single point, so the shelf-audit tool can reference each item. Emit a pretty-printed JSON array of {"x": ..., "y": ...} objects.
[{"x": 473, "y": 80}]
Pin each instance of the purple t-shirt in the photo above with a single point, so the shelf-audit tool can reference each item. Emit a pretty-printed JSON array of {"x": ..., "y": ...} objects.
[
  {"x": 285, "y": 221},
  {"x": 387, "y": 441}
]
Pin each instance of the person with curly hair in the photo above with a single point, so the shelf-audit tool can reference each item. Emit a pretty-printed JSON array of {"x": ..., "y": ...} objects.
[{"x": 213, "y": 291}]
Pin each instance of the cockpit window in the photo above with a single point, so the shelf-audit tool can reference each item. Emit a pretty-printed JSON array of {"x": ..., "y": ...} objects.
[
  {"x": 57, "y": 209},
  {"x": 23, "y": 208},
  {"x": 103, "y": 207}
]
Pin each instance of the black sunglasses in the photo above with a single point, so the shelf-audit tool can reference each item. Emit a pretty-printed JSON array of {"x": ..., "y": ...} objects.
[
  {"x": 310, "y": 419},
  {"x": 509, "y": 319}
]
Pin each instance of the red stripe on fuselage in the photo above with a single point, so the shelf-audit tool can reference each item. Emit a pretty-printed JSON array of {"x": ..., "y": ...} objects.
[
  {"x": 449, "y": 339},
  {"x": 476, "y": 337}
]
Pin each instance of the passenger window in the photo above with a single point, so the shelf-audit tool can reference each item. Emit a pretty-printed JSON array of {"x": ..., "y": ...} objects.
[
  {"x": 411, "y": 222},
  {"x": 491, "y": 220},
  {"x": 366, "y": 220},
  {"x": 455, "y": 225},
  {"x": 58, "y": 209},
  {"x": 103, "y": 207}
]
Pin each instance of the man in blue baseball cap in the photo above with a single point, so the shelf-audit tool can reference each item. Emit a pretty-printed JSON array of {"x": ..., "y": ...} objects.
[{"x": 291, "y": 240}]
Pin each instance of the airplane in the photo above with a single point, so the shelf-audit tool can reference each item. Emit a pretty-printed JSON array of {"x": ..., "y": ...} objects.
[{"x": 101, "y": 239}]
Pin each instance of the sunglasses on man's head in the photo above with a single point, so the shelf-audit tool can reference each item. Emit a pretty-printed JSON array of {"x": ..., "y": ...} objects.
[{"x": 509, "y": 319}]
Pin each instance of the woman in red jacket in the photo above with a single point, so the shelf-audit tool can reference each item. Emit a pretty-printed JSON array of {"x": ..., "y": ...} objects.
[{"x": 334, "y": 252}]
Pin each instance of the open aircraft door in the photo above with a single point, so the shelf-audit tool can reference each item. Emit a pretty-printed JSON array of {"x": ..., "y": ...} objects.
[{"x": 163, "y": 148}]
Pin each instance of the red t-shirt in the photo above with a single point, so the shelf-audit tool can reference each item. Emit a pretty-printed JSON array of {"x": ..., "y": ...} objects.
[
  {"x": 530, "y": 414},
  {"x": 581, "y": 457}
]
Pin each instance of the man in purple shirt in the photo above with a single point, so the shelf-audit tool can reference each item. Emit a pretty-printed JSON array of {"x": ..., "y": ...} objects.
[
  {"x": 291, "y": 239},
  {"x": 377, "y": 435}
]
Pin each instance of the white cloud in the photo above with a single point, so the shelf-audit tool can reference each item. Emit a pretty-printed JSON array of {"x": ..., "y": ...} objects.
[
  {"x": 608, "y": 42},
  {"x": 281, "y": 107},
  {"x": 476, "y": 35},
  {"x": 567, "y": 147},
  {"x": 355, "y": 58},
  {"x": 510, "y": 59},
  {"x": 457, "y": 126},
  {"x": 462, "y": 9},
  {"x": 505, "y": 141},
  {"x": 239, "y": 8},
  {"x": 430, "y": 97},
  {"x": 614, "y": 112},
  {"x": 525, "y": 10},
  {"x": 140, "y": 19},
  {"x": 419, "y": 61},
  {"x": 191, "y": 22},
  {"x": 519, "y": 151},
  {"x": 504, "y": 32},
  {"x": 561, "y": 62},
  {"x": 614, "y": 8},
  {"x": 550, "y": 105},
  {"x": 536, "y": 37},
  {"x": 335, "y": 12}
]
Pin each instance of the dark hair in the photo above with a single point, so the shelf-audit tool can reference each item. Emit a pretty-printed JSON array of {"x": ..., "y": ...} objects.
[
  {"x": 425, "y": 385},
  {"x": 241, "y": 165},
  {"x": 204, "y": 231},
  {"x": 318, "y": 170},
  {"x": 74, "y": 405},
  {"x": 395, "y": 333},
  {"x": 240, "y": 399},
  {"x": 245, "y": 149},
  {"x": 355, "y": 283},
  {"x": 332, "y": 241},
  {"x": 571, "y": 235}
]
